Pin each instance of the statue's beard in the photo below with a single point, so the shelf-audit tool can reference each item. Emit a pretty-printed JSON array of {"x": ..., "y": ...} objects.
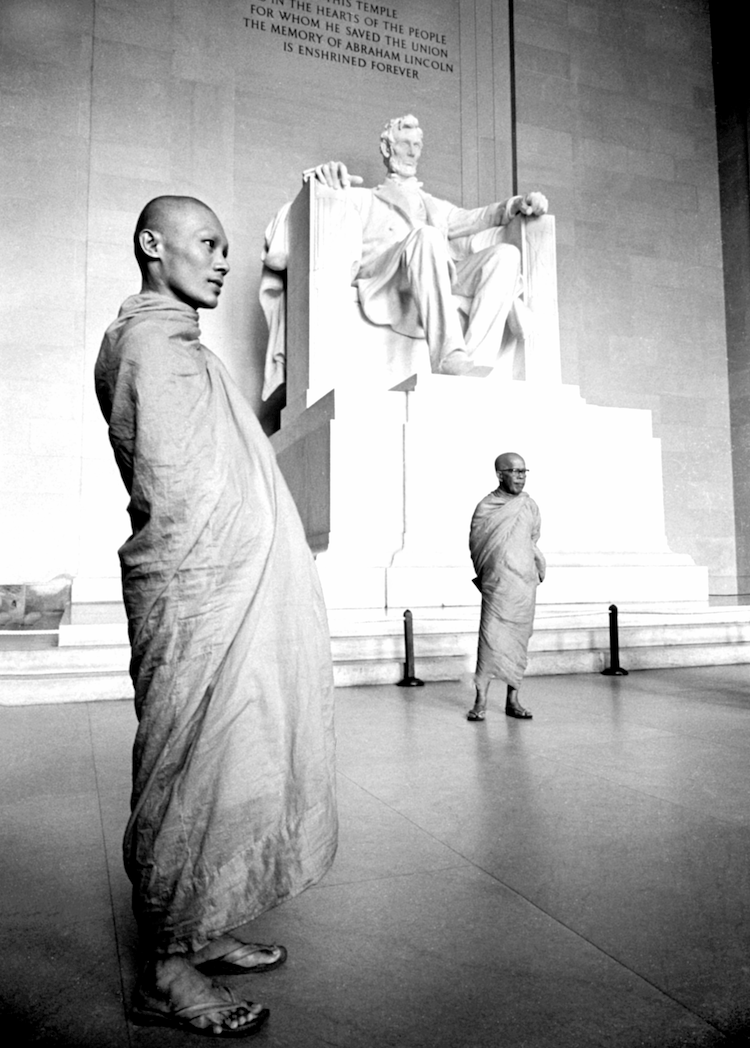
[{"x": 405, "y": 168}]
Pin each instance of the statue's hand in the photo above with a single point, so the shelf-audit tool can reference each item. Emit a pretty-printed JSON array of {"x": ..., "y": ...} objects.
[
  {"x": 532, "y": 204},
  {"x": 333, "y": 174}
]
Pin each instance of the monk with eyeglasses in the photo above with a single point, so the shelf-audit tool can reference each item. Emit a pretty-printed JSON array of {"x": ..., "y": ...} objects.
[{"x": 509, "y": 566}]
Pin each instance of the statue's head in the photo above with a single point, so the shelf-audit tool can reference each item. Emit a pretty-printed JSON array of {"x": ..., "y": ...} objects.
[{"x": 401, "y": 145}]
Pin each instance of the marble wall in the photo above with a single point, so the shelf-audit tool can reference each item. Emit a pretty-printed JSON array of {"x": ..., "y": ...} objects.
[
  {"x": 106, "y": 103},
  {"x": 615, "y": 118}
]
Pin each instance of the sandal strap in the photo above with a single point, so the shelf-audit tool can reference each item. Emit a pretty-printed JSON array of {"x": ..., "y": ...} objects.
[
  {"x": 199, "y": 1011},
  {"x": 245, "y": 950}
]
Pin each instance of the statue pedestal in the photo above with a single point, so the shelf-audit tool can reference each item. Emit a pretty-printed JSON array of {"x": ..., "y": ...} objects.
[
  {"x": 387, "y": 461},
  {"x": 386, "y": 482}
]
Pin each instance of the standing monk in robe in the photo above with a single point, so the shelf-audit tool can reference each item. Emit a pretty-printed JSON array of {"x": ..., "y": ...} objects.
[
  {"x": 509, "y": 566},
  {"x": 233, "y": 806}
]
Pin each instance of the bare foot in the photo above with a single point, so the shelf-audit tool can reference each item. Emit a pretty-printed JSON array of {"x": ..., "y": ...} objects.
[{"x": 171, "y": 990}]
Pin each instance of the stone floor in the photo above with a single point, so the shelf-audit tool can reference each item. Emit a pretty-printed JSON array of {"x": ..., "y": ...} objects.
[{"x": 579, "y": 880}]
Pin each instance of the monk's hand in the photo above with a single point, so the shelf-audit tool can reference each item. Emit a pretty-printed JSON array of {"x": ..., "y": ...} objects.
[
  {"x": 530, "y": 205},
  {"x": 333, "y": 174}
]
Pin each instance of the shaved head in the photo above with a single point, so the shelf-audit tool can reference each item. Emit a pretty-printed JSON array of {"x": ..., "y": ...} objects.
[
  {"x": 182, "y": 249},
  {"x": 162, "y": 215},
  {"x": 509, "y": 460},
  {"x": 509, "y": 479}
]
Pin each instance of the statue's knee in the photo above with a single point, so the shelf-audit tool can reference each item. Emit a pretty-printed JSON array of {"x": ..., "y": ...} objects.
[
  {"x": 508, "y": 253},
  {"x": 504, "y": 257}
]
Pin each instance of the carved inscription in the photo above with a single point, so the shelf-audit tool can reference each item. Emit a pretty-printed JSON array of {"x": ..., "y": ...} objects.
[{"x": 354, "y": 33}]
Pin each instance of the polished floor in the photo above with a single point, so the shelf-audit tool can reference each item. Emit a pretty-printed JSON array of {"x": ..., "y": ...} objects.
[{"x": 579, "y": 880}]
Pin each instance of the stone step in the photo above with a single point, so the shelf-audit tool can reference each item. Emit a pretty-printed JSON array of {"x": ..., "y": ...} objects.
[
  {"x": 93, "y": 634},
  {"x": 90, "y": 686},
  {"x": 14, "y": 640},
  {"x": 102, "y": 612},
  {"x": 561, "y": 660},
  {"x": 91, "y": 660},
  {"x": 383, "y": 637}
]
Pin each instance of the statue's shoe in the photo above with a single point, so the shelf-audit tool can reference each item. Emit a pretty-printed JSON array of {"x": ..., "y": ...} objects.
[{"x": 456, "y": 363}]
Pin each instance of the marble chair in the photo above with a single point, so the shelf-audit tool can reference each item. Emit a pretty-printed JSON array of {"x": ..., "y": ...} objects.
[{"x": 320, "y": 339}]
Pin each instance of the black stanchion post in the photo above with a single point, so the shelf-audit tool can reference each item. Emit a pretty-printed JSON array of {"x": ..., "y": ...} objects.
[
  {"x": 409, "y": 680},
  {"x": 614, "y": 669}
]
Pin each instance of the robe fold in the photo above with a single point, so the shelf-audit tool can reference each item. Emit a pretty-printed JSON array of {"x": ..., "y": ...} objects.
[
  {"x": 502, "y": 540},
  {"x": 233, "y": 805}
]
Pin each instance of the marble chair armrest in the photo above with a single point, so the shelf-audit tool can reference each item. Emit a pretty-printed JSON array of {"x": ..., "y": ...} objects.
[{"x": 337, "y": 242}]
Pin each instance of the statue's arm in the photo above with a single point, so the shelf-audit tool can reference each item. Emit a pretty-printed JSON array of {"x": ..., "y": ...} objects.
[
  {"x": 531, "y": 205},
  {"x": 464, "y": 222}
]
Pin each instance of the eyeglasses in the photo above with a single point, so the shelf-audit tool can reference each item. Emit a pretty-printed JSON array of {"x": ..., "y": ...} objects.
[{"x": 515, "y": 472}]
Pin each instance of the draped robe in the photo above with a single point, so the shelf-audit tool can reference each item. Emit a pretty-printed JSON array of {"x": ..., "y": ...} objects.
[
  {"x": 502, "y": 540},
  {"x": 233, "y": 806}
]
